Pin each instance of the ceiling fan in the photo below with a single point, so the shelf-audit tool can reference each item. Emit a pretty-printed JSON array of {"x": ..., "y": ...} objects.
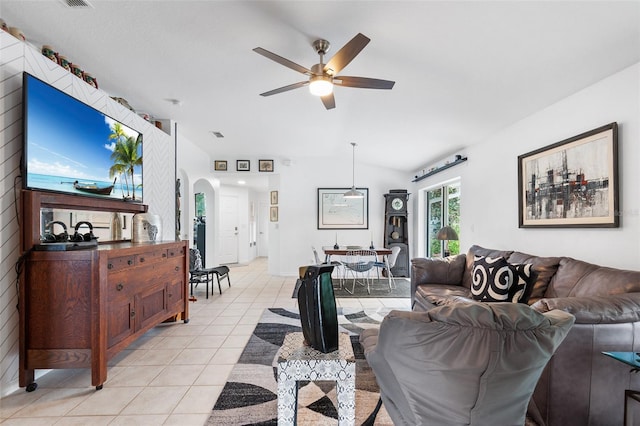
[{"x": 322, "y": 77}]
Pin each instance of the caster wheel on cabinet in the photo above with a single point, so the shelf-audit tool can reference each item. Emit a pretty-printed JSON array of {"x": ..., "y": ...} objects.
[
  {"x": 98, "y": 387},
  {"x": 32, "y": 386}
]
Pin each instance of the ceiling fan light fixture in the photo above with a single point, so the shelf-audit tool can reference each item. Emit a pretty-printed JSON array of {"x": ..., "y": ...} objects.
[{"x": 320, "y": 85}]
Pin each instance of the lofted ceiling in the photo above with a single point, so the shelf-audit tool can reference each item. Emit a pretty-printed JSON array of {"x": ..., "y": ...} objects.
[{"x": 463, "y": 70}]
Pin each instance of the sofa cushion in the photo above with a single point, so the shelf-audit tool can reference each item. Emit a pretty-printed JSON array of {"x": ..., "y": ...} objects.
[
  {"x": 479, "y": 251},
  {"x": 496, "y": 280},
  {"x": 621, "y": 308},
  {"x": 429, "y": 296},
  {"x": 544, "y": 267},
  {"x": 578, "y": 278}
]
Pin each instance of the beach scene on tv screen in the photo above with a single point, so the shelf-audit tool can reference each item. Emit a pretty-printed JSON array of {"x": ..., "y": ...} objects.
[{"x": 76, "y": 149}]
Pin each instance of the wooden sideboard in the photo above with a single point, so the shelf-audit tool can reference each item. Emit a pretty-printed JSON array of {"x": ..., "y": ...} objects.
[{"x": 79, "y": 308}]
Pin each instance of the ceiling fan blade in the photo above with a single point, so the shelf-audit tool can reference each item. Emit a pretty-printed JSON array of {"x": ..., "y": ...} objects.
[
  {"x": 283, "y": 61},
  {"x": 363, "y": 82},
  {"x": 329, "y": 101},
  {"x": 285, "y": 88},
  {"x": 345, "y": 55}
]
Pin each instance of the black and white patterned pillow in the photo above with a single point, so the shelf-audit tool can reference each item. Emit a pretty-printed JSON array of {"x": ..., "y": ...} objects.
[
  {"x": 496, "y": 280},
  {"x": 491, "y": 279},
  {"x": 526, "y": 276}
]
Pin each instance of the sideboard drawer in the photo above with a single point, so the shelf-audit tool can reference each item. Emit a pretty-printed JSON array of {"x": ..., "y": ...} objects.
[
  {"x": 121, "y": 262},
  {"x": 151, "y": 256}
]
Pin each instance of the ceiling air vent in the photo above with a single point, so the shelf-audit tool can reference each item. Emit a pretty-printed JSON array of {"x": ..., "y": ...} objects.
[
  {"x": 217, "y": 134},
  {"x": 77, "y": 3}
]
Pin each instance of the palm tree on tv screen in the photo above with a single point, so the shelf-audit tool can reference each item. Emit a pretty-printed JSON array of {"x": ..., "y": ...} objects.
[{"x": 125, "y": 157}]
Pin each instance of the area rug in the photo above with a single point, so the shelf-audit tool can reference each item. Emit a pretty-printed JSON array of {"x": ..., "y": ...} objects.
[
  {"x": 379, "y": 289},
  {"x": 250, "y": 395}
]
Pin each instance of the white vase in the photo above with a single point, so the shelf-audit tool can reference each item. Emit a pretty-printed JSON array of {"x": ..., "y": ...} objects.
[{"x": 147, "y": 227}]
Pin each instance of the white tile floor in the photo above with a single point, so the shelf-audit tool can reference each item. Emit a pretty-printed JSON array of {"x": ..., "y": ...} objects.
[{"x": 175, "y": 372}]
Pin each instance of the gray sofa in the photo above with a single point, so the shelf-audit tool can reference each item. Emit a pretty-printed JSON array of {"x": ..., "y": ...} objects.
[{"x": 579, "y": 385}]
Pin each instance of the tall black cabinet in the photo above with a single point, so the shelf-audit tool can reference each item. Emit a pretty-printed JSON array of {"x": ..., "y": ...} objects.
[{"x": 396, "y": 231}]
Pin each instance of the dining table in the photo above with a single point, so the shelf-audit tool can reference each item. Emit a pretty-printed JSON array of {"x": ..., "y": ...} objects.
[{"x": 344, "y": 250}]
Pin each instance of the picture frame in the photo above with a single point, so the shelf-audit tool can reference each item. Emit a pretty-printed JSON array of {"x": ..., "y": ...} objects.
[
  {"x": 274, "y": 197},
  {"x": 572, "y": 183},
  {"x": 220, "y": 165},
  {"x": 273, "y": 214},
  {"x": 243, "y": 165},
  {"x": 265, "y": 165},
  {"x": 337, "y": 212}
]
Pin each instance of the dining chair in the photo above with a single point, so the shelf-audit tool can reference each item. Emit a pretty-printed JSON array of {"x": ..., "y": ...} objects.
[
  {"x": 316, "y": 256},
  {"x": 390, "y": 263},
  {"x": 360, "y": 263},
  {"x": 338, "y": 266}
]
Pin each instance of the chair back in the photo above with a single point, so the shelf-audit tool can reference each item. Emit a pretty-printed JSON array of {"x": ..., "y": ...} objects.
[
  {"x": 360, "y": 260},
  {"x": 195, "y": 260},
  {"x": 464, "y": 363},
  {"x": 315, "y": 255},
  {"x": 395, "y": 251}
]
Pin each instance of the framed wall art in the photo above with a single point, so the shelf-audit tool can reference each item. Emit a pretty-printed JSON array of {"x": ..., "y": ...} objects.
[
  {"x": 243, "y": 165},
  {"x": 571, "y": 183},
  {"x": 265, "y": 165},
  {"x": 337, "y": 212},
  {"x": 273, "y": 214},
  {"x": 220, "y": 165},
  {"x": 274, "y": 197}
]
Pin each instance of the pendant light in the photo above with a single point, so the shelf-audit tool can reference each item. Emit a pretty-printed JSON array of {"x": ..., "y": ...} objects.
[{"x": 353, "y": 193}]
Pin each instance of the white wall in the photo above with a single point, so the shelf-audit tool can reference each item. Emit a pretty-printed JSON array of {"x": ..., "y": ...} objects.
[
  {"x": 297, "y": 231},
  {"x": 489, "y": 206},
  {"x": 196, "y": 174}
]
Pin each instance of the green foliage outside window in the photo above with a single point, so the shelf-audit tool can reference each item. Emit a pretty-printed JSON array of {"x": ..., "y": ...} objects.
[{"x": 437, "y": 218}]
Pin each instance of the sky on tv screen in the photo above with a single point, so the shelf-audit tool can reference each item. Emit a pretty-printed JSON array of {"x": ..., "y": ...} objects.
[{"x": 69, "y": 141}]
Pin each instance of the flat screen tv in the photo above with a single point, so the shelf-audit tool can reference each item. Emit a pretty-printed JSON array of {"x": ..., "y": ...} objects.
[{"x": 72, "y": 148}]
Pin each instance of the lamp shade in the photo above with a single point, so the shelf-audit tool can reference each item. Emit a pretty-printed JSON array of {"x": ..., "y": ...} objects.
[
  {"x": 353, "y": 193},
  {"x": 447, "y": 233}
]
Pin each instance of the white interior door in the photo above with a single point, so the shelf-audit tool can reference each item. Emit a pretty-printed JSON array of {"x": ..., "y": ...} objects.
[
  {"x": 229, "y": 229},
  {"x": 263, "y": 229}
]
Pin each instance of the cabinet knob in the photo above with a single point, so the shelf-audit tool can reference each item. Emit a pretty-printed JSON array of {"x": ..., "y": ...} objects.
[
  {"x": 119, "y": 286},
  {"x": 110, "y": 266},
  {"x": 177, "y": 268},
  {"x": 142, "y": 259},
  {"x": 164, "y": 254},
  {"x": 129, "y": 262},
  {"x": 133, "y": 314},
  {"x": 172, "y": 253}
]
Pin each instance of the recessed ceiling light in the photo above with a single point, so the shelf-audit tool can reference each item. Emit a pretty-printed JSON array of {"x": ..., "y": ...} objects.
[{"x": 241, "y": 182}]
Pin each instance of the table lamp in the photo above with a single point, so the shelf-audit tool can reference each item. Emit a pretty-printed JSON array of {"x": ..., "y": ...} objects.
[{"x": 445, "y": 234}]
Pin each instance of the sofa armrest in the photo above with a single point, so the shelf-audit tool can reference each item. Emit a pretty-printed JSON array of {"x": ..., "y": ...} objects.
[
  {"x": 619, "y": 308},
  {"x": 448, "y": 270}
]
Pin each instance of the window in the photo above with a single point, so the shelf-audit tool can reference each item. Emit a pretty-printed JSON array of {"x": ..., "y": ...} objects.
[{"x": 442, "y": 208}]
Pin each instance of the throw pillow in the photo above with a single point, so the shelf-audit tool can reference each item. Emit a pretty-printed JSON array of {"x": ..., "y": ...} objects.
[
  {"x": 491, "y": 279},
  {"x": 526, "y": 277},
  {"x": 496, "y": 280}
]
